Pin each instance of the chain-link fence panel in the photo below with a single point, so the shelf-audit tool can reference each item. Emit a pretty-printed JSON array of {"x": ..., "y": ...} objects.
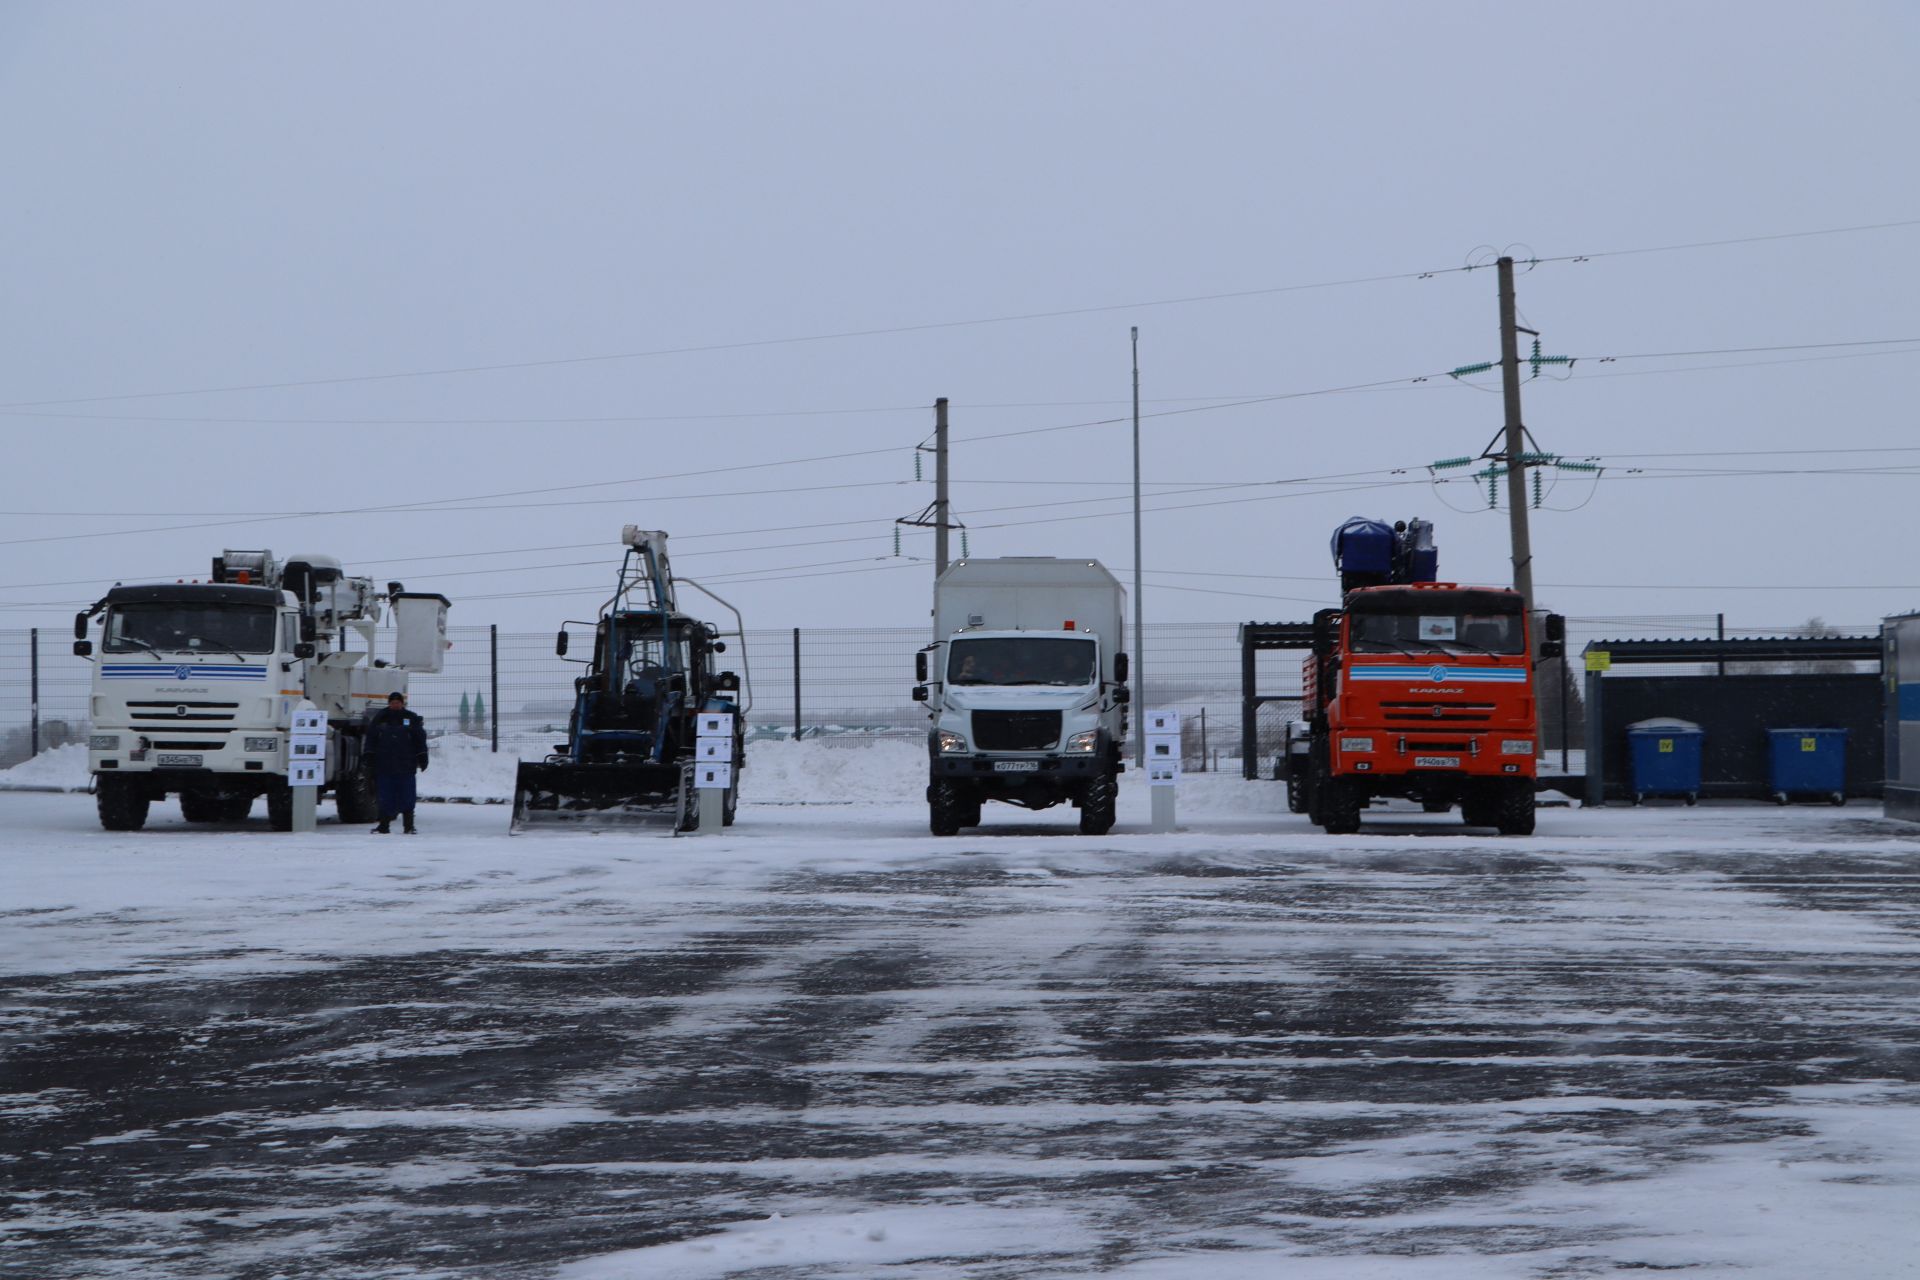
[{"x": 849, "y": 681}]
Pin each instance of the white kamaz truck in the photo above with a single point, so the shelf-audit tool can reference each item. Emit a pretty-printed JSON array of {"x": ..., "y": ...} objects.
[
  {"x": 195, "y": 684},
  {"x": 1025, "y": 682}
]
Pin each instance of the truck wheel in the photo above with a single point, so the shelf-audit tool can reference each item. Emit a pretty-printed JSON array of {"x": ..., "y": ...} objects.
[
  {"x": 1478, "y": 809},
  {"x": 1098, "y": 805},
  {"x": 945, "y": 809},
  {"x": 280, "y": 807},
  {"x": 122, "y": 805},
  {"x": 1516, "y": 811},
  {"x": 1340, "y": 806},
  {"x": 1434, "y": 804},
  {"x": 731, "y": 804},
  {"x": 355, "y": 801},
  {"x": 1296, "y": 803},
  {"x": 236, "y": 808},
  {"x": 196, "y": 806}
]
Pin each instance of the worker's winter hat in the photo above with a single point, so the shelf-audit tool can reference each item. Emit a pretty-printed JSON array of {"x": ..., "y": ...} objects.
[{"x": 396, "y": 696}]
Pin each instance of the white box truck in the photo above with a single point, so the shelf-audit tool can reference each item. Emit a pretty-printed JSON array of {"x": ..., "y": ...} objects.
[
  {"x": 196, "y": 683},
  {"x": 1025, "y": 684}
]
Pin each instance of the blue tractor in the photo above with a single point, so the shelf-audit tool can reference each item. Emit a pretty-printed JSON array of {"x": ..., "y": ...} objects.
[{"x": 632, "y": 737}]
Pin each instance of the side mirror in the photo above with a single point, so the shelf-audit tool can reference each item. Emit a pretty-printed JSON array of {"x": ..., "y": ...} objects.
[
  {"x": 1552, "y": 649},
  {"x": 560, "y": 645},
  {"x": 1556, "y": 627},
  {"x": 79, "y": 626},
  {"x": 920, "y": 669},
  {"x": 304, "y": 649},
  {"x": 919, "y": 693},
  {"x": 83, "y": 648},
  {"x": 1323, "y": 623},
  {"x": 1119, "y": 668},
  {"x": 1122, "y": 695},
  {"x": 718, "y": 646}
]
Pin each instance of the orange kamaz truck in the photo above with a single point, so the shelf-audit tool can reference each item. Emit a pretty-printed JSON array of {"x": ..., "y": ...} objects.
[{"x": 1418, "y": 689}]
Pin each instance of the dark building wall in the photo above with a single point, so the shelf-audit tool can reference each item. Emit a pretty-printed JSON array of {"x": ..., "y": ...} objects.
[{"x": 1734, "y": 714}]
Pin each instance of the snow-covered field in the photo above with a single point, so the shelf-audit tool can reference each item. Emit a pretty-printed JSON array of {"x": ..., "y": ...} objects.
[{"x": 826, "y": 1044}]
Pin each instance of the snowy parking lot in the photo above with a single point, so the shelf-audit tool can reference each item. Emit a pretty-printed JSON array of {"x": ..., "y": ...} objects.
[{"x": 827, "y": 1044}]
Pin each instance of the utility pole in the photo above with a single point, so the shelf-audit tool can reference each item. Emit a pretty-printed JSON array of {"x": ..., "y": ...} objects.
[
  {"x": 1516, "y": 458},
  {"x": 1139, "y": 597},
  {"x": 936, "y": 514},
  {"x": 940, "y": 486}
]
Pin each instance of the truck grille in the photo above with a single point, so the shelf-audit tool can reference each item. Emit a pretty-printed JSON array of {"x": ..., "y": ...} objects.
[
  {"x": 169, "y": 712},
  {"x": 1016, "y": 730},
  {"x": 1441, "y": 711}
]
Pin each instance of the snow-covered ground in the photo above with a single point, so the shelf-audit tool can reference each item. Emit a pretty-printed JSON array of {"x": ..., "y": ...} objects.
[{"x": 826, "y": 1044}]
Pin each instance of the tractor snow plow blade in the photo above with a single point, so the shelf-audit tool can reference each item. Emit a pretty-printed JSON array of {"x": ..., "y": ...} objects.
[{"x": 562, "y": 795}]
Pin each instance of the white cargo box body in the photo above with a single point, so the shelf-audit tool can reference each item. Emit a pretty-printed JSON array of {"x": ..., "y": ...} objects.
[{"x": 1032, "y": 593}]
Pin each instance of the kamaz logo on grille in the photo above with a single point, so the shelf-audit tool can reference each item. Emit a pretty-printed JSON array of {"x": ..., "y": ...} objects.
[
  {"x": 186, "y": 673},
  {"x": 1434, "y": 673}
]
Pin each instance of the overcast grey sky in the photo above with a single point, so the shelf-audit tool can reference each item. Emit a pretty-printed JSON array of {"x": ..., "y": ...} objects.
[{"x": 225, "y": 195}]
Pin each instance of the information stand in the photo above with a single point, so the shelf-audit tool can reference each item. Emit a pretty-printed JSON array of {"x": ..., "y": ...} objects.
[
  {"x": 1163, "y": 765},
  {"x": 712, "y": 769},
  {"x": 307, "y": 764}
]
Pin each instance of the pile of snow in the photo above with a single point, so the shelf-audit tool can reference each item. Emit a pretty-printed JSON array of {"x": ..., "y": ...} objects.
[{"x": 61, "y": 769}]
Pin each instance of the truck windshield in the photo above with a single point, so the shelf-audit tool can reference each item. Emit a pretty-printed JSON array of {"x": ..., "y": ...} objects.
[
  {"x": 173, "y": 628},
  {"x": 1437, "y": 633},
  {"x": 1021, "y": 660}
]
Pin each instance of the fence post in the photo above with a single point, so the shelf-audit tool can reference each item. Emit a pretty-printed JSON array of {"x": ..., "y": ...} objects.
[
  {"x": 1203, "y": 740},
  {"x": 33, "y": 661},
  {"x": 493, "y": 698},
  {"x": 796, "y": 684}
]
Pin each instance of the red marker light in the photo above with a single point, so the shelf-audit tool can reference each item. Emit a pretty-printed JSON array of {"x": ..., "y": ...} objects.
[{"x": 1067, "y": 625}]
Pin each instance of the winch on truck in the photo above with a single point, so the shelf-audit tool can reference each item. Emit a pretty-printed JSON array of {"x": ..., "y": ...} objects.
[
  {"x": 631, "y": 738},
  {"x": 1418, "y": 689},
  {"x": 195, "y": 684},
  {"x": 1025, "y": 682}
]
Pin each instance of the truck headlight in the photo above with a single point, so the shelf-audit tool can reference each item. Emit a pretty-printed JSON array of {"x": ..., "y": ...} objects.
[
  {"x": 949, "y": 741},
  {"x": 1516, "y": 746},
  {"x": 263, "y": 744},
  {"x": 103, "y": 742},
  {"x": 1083, "y": 743},
  {"x": 1356, "y": 744}
]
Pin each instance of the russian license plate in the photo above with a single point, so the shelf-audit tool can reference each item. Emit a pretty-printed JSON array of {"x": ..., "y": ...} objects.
[
  {"x": 178, "y": 761},
  {"x": 1436, "y": 762},
  {"x": 1016, "y": 766}
]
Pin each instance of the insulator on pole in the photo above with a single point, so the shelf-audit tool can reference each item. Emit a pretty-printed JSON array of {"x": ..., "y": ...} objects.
[
  {"x": 896, "y": 540},
  {"x": 1538, "y": 491},
  {"x": 916, "y": 464},
  {"x": 963, "y": 544}
]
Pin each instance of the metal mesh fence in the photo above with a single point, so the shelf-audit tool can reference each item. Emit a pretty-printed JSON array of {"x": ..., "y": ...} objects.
[{"x": 849, "y": 681}]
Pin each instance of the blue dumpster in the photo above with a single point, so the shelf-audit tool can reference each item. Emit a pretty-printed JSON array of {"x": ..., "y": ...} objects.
[
  {"x": 1666, "y": 758},
  {"x": 1803, "y": 762}
]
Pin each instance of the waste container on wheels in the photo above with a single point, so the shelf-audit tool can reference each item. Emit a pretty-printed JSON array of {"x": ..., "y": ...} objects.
[
  {"x": 1666, "y": 758},
  {"x": 1807, "y": 762}
]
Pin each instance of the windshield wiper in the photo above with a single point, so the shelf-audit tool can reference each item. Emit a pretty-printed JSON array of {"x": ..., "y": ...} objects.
[
  {"x": 143, "y": 644},
  {"x": 224, "y": 645},
  {"x": 1477, "y": 648}
]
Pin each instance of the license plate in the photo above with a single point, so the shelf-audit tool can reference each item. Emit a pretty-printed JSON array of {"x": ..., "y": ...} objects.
[
  {"x": 178, "y": 761},
  {"x": 1016, "y": 766},
  {"x": 1436, "y": 762}
]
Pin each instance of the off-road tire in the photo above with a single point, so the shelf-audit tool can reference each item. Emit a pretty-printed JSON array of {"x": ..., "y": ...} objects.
[
  {"x": 1098, "y": 804},
  {"x": 122, "y": 805},
  {"x": 1341, "y": 801},
  {"x": 1479, "y": 809},
  {"x": 971, "y": 817},
  {"x": 236, "y": 808},
  {"x": 355, "y": 799},
  {"x": 1515, "y": 814},
  {"x": 731, "y": 805},
  {"x": 688, "y": 817},
  {"x": 280, "y": 807},
  {"x": 1433, "y": 804},
  {"x": 945, "y": 809}
]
